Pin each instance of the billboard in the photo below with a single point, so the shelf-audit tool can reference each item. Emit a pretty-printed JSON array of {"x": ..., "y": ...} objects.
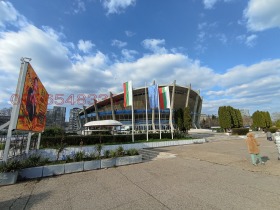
[{"x": 33, "y": 103}]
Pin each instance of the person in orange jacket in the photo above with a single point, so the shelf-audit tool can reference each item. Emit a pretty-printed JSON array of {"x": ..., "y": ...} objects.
[{"x": 253, "y": 149}]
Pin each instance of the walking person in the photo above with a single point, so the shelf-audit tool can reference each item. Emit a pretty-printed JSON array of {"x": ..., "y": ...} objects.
[
  {"x": 253, "y": 149},
  {"x": 268, "y": 136}
]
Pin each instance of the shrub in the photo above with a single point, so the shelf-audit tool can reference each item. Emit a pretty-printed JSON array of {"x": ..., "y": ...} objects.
[
  {"x": 120, "y": 151},
  {"x": 34, "y": 160},
  {"x": 10, "y": 166},
  {"x": 107, "y": 153},
  {"x": 79, "y": 156},
  {"x": 113, "y": 153},
  {"x": 273, "y": 129},
  {"x": 132, "y": 152},
  {"x": 2, "y": 146},
  {"x": 98, "y": 148},
  {"x": 240, "y": 131}
]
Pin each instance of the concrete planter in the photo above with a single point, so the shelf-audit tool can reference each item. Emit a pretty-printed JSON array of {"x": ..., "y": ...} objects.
[
  {"x": 31, "y": 173},
  {"x": 74, "y": 167},
  {"x": 108, "y": 163},
  {"x": 92, "y": 165},
  {"x": 53, "y": 170},
  {"x": 8, "y": 178},
  {"x": 126, "y": 160}
]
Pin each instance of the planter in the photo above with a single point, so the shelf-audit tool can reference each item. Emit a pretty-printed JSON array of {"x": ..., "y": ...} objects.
[
  {"x": 126, "y": 160},
  {"x": 91, "y": 165},
  {"x": 73, "y": 167},
  {"x": 31, "y": 173},
  {"x": 53, "y": 170},
  {"x": 8, "y": 178},
  {"x": 108, "y": 163}
]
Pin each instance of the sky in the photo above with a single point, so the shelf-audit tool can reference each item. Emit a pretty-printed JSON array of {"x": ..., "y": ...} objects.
[{"x": 226, "y": 49}]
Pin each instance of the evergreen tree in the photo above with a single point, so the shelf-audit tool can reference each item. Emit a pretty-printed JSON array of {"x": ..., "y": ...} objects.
[
  {"x": 224, "y": 117},
  {"x": 268, "y": 120},
  {"x": 239, "y": 117},
  {"x": 259, "y": 119},
  {"x": 179, "y": 119},
  {"x": 187, "y": 119}
]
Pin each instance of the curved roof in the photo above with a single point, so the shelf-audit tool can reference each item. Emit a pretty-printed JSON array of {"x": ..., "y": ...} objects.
[{"x": 103, "y": 123}]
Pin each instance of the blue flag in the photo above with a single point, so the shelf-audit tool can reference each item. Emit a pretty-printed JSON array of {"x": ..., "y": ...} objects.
[{"x": 153, "y": 96}]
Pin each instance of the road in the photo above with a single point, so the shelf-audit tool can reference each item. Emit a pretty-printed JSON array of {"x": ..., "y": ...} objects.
[{"x": 214, "y": 175}]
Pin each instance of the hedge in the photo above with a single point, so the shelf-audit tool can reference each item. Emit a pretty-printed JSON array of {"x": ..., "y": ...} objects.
[
  {"x": 240, "y": 131},
  {"x": 104, "y": 139},
  {"x": 273, "y": 129}
]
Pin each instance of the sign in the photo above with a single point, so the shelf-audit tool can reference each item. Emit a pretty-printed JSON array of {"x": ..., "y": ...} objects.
[{"x": 33, "y": 103}]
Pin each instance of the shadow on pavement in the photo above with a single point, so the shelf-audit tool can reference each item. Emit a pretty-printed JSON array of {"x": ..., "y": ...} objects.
[{"x": 24, "y": 202}]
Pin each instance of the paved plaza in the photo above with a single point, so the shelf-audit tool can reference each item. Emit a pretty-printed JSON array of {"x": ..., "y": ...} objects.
[{"x": 213, "y": 175}]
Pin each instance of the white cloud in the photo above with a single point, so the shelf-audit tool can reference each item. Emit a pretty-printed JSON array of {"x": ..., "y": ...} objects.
[
  {"x": 118, "y": 43},
  {"x": 9, "y": 15},
  {"x": 79, "y": 6},
  {"x": 129, "y": 33},
  {"x": 262, "y": 14},
  {"x": 129, "y": 54},
  {"x": 117, "y": 6},
  {"x": 249, "y": 40},
  {"x": 155, "y": 45},
  {"x": 209, "y": 4},
  {"x": 85, "y": 46}
]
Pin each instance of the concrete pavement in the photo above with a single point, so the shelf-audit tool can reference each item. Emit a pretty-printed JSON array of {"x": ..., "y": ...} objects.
[{"x": 214, "y": 175}]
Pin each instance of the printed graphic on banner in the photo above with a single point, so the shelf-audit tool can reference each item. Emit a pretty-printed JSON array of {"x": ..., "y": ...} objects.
[{"x": 33, "y": 105}]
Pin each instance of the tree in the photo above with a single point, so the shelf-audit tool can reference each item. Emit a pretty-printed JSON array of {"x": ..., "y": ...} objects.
[
  {"x": 230, "y": 117},
  {"x": 268, "y": 120},
  {"x": 277, "y": 123},
  {"x": 53, "y": 131},
  {"x": 239, "y": 118},
  {"x": 224, "y": 117},
  {"x": 187, "y": 118},
  {"x": 179, "y": 119},
  {"x": 259, "y": 119}
]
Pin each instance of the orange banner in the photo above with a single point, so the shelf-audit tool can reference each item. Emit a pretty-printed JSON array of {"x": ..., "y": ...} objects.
[{"x": 34, "y": 102}]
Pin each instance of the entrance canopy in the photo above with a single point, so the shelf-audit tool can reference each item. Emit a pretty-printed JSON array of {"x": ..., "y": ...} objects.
[{"x": 104, "y": 123}]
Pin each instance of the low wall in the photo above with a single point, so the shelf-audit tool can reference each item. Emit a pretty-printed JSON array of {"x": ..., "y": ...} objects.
[{"x": 52, "y": 153}]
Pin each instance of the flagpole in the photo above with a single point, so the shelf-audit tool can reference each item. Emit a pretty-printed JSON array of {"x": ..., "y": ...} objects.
[
  {"x": 147, "y": 127},
  {"x": 159, "y": 123},
  {"x": 171, "y": 108},
  {"x": 132, "y": 112}
]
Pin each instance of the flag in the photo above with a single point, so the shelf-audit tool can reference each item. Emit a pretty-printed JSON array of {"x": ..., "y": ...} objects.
[
  {"x": 153, "y": 96},
  {"x": 164, "y": 97},
  {"x": 127, "y": 91}
]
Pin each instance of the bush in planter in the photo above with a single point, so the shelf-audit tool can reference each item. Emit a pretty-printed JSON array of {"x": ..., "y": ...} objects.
[
  {"x": 132, "y": 152},
  {"x": 113, "y": 154},
  {"x": 10, "y": 166},
  {"x": 79, "y": 156},
  {"x": 120, "y": 151},
  {"x": 107, "y": 153},
  {"x": 98, "y": 148},
  {"x": 34, "y": 161}
]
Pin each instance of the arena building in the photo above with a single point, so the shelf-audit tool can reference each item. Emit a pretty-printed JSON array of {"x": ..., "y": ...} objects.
[{"x": 112, "y": 108}]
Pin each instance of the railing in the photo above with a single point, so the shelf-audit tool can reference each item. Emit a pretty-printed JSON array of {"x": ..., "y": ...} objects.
[{"x": 17, "y": 146}]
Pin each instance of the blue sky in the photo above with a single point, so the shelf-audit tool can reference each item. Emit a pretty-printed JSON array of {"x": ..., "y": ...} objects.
[{"x": 227, "y": 49}]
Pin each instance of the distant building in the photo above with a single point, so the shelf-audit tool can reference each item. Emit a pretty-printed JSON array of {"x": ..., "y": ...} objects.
[
  {"x": 56, "y": 117},
  {"x": 275, "y": 116},
  {"x": 5, "y": 115},
  {"x": 73, "y": 119},
  {"x": 6, "y": 111},
  {"x": 244, "y": 112}
]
